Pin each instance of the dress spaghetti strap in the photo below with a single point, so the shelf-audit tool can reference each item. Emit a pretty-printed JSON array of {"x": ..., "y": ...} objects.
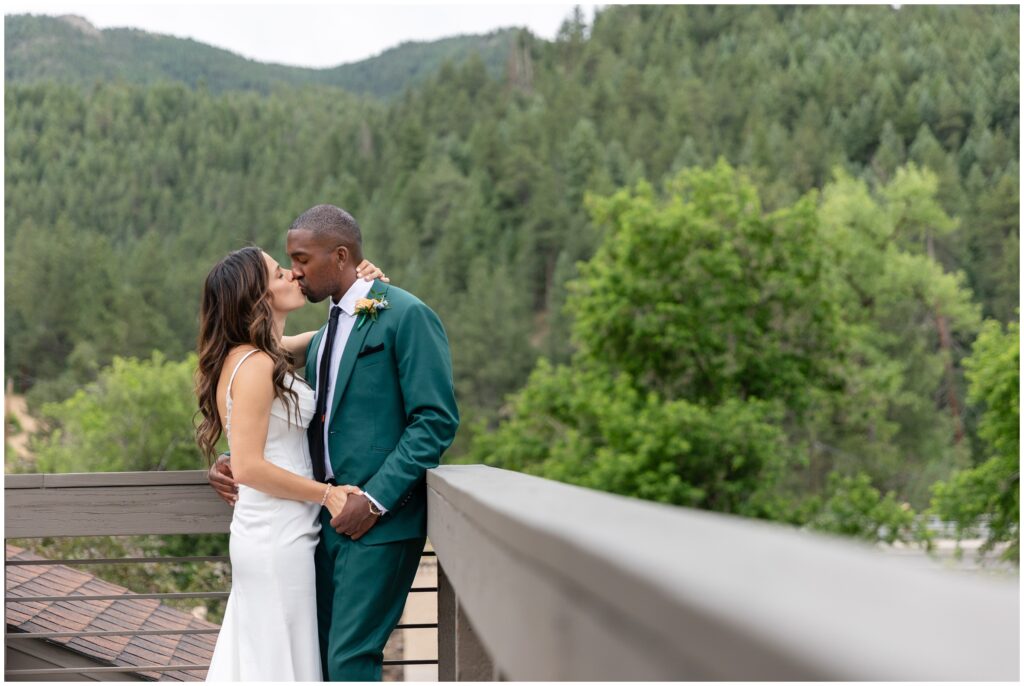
[{"x": 227, "y": 398}]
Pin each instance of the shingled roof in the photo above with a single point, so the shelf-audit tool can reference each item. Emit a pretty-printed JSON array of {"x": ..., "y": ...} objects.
[{"x": 104, "y": 615}]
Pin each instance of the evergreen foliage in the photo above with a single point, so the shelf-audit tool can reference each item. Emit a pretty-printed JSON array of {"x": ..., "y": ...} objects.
[
  {"x": 820, "y": 205},
  {"x": 986, "y": 497},
  {"x": 69, "y": 50}
]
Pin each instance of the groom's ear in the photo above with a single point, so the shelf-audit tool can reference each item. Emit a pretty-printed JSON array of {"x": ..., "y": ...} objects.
[{"x": 342, "y": 255}]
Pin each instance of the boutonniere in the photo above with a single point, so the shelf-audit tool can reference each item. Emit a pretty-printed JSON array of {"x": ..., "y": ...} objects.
[{"x": 369, "y": 308}]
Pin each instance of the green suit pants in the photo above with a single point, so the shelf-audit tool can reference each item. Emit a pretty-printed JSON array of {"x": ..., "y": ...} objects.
[{"x": 361, "y": 591}]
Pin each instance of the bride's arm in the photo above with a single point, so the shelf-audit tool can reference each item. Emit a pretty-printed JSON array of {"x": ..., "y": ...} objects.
[
  {"x": 296, "y": 345},
  {"x": 252, "y": 393}
]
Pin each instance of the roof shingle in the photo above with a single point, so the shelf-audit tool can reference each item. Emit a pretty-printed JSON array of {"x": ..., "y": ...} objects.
[{"x": 104, "y": 615}]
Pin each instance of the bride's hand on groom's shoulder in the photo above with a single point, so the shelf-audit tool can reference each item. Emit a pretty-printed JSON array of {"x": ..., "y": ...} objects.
[
  {"x": 337, "y": 498},
  {"x": 369, "y": 271}
]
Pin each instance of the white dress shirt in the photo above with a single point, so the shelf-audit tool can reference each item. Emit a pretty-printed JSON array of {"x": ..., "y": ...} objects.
[{"x": 346, "y": 320}]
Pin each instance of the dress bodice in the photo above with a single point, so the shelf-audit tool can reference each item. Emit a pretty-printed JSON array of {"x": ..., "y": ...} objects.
[{"x": 286, "y": 444}]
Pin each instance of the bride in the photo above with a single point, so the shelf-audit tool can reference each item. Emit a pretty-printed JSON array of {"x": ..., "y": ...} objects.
[{"x": 246, "y": 389}]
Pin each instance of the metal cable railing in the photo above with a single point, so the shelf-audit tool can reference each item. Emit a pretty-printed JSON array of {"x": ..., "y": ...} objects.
[
  {"x": 64, "y": 672},
  {"x": 116, "y": 509}
]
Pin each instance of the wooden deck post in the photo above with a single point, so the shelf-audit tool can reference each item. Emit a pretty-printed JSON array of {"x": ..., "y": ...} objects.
[{"x": 461, "y": 656}]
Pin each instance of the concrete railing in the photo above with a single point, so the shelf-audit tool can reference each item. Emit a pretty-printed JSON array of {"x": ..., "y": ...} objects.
[{"x": 545, "y": 581}]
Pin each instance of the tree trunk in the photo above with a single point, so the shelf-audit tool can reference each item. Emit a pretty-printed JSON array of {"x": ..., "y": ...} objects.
[{"x": 946, "y": 345}]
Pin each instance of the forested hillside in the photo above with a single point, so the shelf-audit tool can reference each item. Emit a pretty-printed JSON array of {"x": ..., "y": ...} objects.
[
  {"x": 881, "y": 142},
  {"x": 70, "y": 50}
]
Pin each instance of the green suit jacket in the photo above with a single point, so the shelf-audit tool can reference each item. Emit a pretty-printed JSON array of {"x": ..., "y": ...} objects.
[{"x": 394, "y": 411}]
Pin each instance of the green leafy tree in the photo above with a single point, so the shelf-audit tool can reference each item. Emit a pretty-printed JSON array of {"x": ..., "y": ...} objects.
[
  {"x": 887, "y": 422},
  {"x": 988, "y": 494},
  {"x": 702, "y": 324},
  {"x": 855, "y": 508},
  {"x": 783, "y": 334},
  {"x": 705, "y": 296},
  {"x": 586, "y": 425},
  {"x": 136, "y": 416}
]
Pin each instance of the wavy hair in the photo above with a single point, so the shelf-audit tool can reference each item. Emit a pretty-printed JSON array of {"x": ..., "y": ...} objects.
[{"x": 235, "y": 311}]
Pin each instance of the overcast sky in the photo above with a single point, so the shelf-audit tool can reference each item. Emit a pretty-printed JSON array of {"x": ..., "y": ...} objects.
[{"x": 310, "y": 35}]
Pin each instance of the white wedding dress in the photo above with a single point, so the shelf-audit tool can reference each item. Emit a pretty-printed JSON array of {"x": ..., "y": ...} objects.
[{"x": 269, "y": 631}]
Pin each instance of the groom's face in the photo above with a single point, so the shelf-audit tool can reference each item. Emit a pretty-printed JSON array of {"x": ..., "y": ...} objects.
[{"x": 316, "y": 264}]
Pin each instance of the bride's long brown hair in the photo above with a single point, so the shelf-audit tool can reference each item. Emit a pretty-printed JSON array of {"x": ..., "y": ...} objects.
[{"x": 235, "y": 311}]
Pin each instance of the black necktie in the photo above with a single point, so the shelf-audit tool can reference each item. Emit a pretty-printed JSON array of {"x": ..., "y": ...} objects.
[{"x": 323, "y": 389}]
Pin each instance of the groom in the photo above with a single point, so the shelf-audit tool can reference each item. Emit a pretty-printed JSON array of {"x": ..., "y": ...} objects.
[{"x": 385, "y": 413}]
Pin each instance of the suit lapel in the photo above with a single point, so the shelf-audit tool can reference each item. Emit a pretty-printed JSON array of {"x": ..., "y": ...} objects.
[{"x": 348, "y": 356}]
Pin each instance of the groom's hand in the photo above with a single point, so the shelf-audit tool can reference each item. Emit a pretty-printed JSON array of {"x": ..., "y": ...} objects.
[
  {"x": 355, "y": 518},
  {"x": 221, "y": 478}
]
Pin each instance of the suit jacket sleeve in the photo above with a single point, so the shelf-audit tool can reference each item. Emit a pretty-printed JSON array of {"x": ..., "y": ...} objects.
[{"x": 425, "y": 376}]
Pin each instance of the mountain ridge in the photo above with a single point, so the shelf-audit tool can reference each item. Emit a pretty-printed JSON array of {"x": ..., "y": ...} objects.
[{"x": 69, "y": 49}]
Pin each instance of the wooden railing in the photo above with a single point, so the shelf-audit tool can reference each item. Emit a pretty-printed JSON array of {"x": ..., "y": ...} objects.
[
  {"x": 544, "y": 581},
  {"x": 120, "y": 504}
]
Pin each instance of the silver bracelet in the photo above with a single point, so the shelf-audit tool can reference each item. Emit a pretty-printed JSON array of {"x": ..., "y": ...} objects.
[{"x": 324, "y": 499}]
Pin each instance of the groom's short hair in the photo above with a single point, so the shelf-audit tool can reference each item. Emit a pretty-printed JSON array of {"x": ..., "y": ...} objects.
[{"x": 328, "y": 221}]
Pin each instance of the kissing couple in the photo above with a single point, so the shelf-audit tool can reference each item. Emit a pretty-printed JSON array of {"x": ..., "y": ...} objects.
[{"x": 327, "y": 474}]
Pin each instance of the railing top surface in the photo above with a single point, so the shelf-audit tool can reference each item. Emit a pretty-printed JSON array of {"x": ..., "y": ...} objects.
[
  {"x": 662, "y": 541},
  {"x": 103, "y": 479},
  {"x": 659, "y": 564},
  {"x": 112, "y": 504}
]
